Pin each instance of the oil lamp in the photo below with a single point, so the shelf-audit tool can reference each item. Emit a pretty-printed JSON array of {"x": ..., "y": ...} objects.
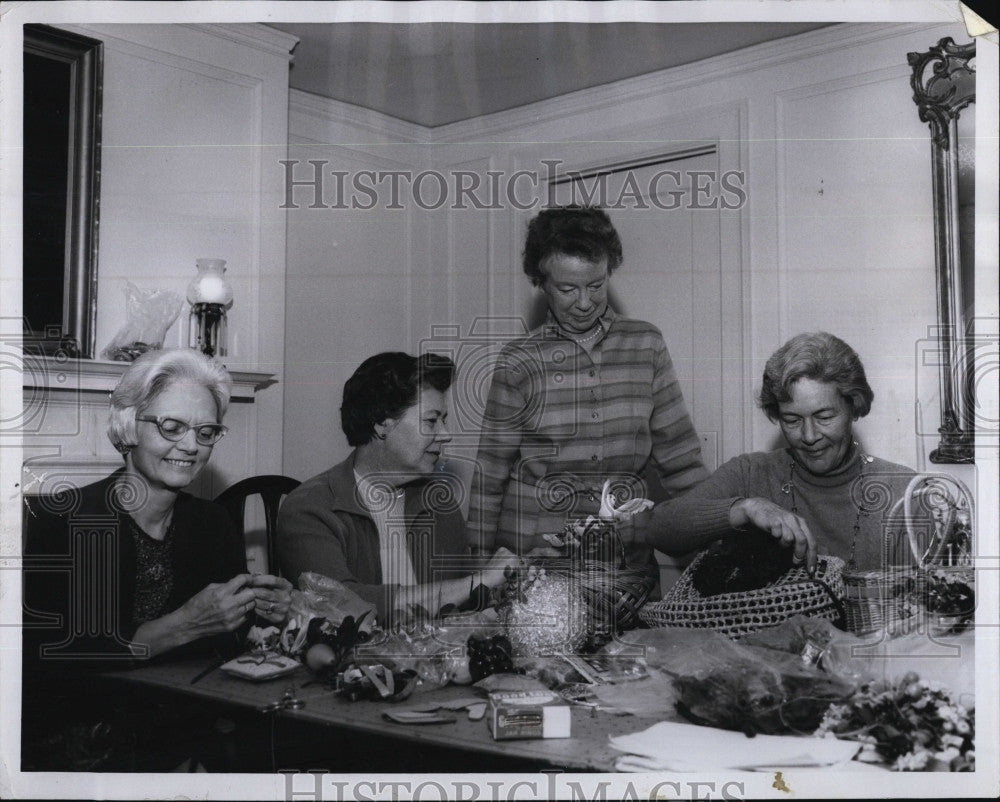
[{"x": 210, "y": 295}]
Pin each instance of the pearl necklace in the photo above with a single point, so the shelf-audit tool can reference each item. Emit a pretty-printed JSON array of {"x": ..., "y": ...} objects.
[
  {"x": 788, "y": 488},
  {"x": 581, "y": 340}
]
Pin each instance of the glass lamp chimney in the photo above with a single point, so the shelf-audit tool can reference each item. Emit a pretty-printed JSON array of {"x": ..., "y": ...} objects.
[{"x": 210, "y": 295}]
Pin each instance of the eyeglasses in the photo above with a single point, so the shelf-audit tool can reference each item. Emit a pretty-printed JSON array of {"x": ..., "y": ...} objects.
[{"x": 207, "y": 434}]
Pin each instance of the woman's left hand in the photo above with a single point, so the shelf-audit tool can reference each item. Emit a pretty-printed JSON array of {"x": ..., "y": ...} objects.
[{"x": 272, "y": 596}]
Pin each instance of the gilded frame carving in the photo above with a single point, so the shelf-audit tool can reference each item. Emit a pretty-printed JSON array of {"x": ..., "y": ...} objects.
[{"x": 944, "y": 83}]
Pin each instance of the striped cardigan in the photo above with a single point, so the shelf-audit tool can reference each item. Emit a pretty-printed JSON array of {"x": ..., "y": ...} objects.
[{"x": 559, "y": 421}]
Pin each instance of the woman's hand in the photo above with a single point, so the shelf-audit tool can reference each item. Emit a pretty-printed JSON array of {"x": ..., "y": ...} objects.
[
  {"x": 219, "y": 607},
  {"x": 492, "y": 574},
  {"x": 557, "y": 549},
  {"x": 790, "y": 528},
  {"x": 272, "y": 597}
]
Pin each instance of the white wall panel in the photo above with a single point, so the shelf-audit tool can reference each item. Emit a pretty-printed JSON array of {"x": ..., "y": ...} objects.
[
  {"x": 349, "y": 295},
  {"x": 836, "y": 231},
  {"x": 857, "y": 238}
]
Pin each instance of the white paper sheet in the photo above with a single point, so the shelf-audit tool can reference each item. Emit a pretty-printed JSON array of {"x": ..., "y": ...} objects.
[{"x": 679, "y": 746}]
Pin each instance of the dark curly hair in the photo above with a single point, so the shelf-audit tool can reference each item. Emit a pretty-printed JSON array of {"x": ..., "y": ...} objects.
[
  {"x": 820, "y": 356},
  {"x": 385, "y": 386},
  {"x": 583, "y": 231}
]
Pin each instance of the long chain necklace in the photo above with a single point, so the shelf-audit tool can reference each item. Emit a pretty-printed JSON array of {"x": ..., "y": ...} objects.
[{"x": 788, "y": 488}]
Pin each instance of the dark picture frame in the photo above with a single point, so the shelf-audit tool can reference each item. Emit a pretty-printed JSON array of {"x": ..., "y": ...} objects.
[{"x": 63, "y": 75}]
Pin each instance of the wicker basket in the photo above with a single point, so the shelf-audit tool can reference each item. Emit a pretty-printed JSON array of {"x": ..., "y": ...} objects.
[
  {"x": 881, "y": 599},
  {"x": 596, "y": 565},
  {"x": 896, "y": 598},
  {"x": 739, "y": 614},
  {"x": 614, "y": 597}
]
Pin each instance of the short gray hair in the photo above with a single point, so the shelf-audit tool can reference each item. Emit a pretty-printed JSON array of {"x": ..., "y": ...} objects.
[
  {"x": 819, "y": 356},
  {"x": 149, "y": 375}
]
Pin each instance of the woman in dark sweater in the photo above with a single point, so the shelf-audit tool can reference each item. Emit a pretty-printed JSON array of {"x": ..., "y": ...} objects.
[{"x": 132, "y": 567}]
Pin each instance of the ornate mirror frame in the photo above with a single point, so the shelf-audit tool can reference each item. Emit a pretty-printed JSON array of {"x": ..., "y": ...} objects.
[
  {"x": 70, "y": 217},
  {"x": 944, "y": 83}
]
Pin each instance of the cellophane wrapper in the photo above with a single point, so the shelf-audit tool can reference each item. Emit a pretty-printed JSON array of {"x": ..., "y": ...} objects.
[{"x": 320, "y": 596}]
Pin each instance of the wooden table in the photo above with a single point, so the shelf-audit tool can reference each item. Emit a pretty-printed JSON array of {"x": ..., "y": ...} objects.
[{"x": 463, "y": 746}]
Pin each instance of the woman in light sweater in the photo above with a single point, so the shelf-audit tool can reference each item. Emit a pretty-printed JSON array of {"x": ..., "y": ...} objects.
[{"x": 821, "y": 494}]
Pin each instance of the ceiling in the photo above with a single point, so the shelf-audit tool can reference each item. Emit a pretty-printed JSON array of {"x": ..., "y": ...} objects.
[{"x": 438, "y": 73}]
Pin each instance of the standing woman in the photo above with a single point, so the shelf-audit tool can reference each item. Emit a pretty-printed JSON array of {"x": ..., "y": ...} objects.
[
  {"x": 588, "y": 396},
  {"x": 168, "y": 574}
]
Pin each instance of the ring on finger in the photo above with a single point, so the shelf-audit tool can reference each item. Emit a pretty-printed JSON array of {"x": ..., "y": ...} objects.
[{"x": 270, "y": 607}]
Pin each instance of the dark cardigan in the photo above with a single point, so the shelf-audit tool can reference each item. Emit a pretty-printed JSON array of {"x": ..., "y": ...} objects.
[
  {"x": 79, "y": 594},
  {"x": 80, "y": 576}
]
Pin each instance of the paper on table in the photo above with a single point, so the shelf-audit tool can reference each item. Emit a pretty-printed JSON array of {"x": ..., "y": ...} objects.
[{"x": 687, "y": 747}]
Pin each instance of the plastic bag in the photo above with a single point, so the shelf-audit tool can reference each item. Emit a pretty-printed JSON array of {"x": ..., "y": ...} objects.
[
  {"x": 950, "y": 661},
  {"x": 321, "y": 597},
  {"x": 421, "y": 653},
  {"x": 879, "y": 656},
  {"x": 150, "y": 313}
]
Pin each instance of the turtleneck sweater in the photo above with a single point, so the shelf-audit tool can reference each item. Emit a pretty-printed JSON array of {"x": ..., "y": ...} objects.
[{"x": 860, "y": 494}]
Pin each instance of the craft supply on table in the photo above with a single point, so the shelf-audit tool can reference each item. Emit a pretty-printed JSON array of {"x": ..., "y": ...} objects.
[
  {"x": 546, "y": 648},
  {"x": 260, "y": 666},
  {"x": 214, "y": 666},
  {"x": 288, "y": 701},
  {"x": 431, "y": 713},
  {"x": 418, "y": 717},
  {"x": 909, "y": 725},
  {"x": 528, "y": 714}
]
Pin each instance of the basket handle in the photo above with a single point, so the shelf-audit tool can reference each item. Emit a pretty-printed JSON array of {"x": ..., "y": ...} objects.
[{"x": 938, "y": 480}]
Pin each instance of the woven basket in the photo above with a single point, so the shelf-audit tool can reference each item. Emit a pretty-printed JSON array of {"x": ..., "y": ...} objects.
[
  {"x": 739, "y": 614},
  {"x": 896, "y": 598},
  {"x": 881, "y": 599},
  {"x": 613, "y": 593},
  {"x": 615, "y": 596}
]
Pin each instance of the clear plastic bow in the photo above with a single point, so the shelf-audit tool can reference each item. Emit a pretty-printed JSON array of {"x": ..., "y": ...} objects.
[{"x": 612, "y": 510}]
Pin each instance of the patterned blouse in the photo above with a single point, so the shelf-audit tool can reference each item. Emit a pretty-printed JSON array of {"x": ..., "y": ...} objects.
[{"x": 154, "y": 572}]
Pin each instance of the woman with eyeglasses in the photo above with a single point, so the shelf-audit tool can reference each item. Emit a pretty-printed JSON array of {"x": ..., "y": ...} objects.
[
  {"x": 181, "y": 567},
  {"x": 167, "y": 573}
]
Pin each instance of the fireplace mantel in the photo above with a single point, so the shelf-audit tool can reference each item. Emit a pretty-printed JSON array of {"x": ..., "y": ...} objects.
[
  {"x": 54, "y": 374},
  {"x": 64, "y": 435}
]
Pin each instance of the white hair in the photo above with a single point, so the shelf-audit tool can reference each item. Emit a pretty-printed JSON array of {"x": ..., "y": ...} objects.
[{"x": 149, "y": 375}]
